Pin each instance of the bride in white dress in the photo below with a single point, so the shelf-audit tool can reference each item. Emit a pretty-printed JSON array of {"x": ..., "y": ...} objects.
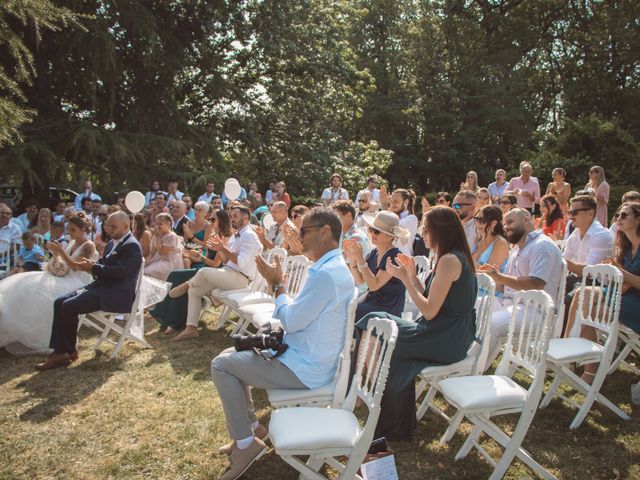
[{"x": 26, "y": 300}]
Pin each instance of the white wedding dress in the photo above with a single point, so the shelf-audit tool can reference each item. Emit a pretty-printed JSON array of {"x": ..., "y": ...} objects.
[{"x": 26, "y": 305}]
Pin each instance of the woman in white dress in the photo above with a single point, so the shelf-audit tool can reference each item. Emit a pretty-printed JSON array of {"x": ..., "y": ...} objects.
[{"x": 26, "y": 300}]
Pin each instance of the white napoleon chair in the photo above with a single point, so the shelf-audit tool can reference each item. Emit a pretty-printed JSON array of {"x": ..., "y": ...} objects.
[
  {"x": 480, "y": 397},
  {"x": 130, "y": 328},
  {"x": 258, "y": 314},
  {"x": 255, "y": 291},
  {"x": 324, "y": 434},
  {"x": 472, "y": 364},
  {"x": 598, "y": 307},
  {"x": 7, "y": 252},
  {"x": 423, "y": 268},
  {"x": 559, "y": 306},
  {"x": 630, "y": 342},
  {"x": 333, "y": 393}
]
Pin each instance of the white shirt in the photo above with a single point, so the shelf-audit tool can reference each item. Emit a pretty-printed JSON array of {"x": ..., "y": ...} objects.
[
  {"x": 410, "y": 222},
  {"x": 10, "y": 233},
  {"x": 471, "y": 233},
  {"x": 593, "y": 248},
  {"x": 177, "y": 196},
  {"x": 375, "y": 195},
  {"x": 335, "y": 195},
  {"x": 246, "y": 244},
  {"x": 274, "y": 234},
  {"x": 22, "y": 221},
  {"x": 205, "y": 197},
  {"x": 540, "y": 258}
]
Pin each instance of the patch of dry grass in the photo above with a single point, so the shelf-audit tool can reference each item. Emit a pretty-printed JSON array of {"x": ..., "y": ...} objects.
[{"x": 155, "y": 414}]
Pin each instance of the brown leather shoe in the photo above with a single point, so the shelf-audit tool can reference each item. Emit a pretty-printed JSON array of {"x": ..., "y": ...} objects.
[
  {"x": 55, "y": 360},
  {"x": 260, "y": 432},
  {"x": 241, "y": 460}
]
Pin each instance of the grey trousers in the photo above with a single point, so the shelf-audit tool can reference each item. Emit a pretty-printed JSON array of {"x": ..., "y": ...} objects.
[{"x": 234, "y": 373}]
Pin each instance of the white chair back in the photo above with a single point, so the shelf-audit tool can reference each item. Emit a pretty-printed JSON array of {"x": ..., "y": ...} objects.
[
  {"x": 559, "y": 305},
  {"x": 40, "y": 241},
  {"x": 259, "y": 284},
  {"x": 295, "y": 271},
  {"x": 7, "y": 251},
  {"x": 603, "y": 298},
  {"x": 527, "y": 349},
  {"x": 423, "y": 267},
  {"x": 484, "y": 310},
  {"x": 344, "y": 362}
]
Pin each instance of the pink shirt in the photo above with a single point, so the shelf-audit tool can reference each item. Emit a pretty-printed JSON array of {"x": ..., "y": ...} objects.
[
  {"x": 532, "y": 186},
  {"x": 602, "y": 213}
]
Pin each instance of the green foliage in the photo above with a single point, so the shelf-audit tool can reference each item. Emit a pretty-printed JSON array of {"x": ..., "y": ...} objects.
[{"x": 359, "y": 161}]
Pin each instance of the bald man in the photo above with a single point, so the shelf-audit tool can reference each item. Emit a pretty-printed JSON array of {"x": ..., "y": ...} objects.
[
  {"x": 273, "y": 237},
  {"x": 113, "y": 290}
]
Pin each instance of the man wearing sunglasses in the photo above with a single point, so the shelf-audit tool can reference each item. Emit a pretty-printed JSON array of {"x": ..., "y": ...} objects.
[
  {"x": 589, "y": 243},
  {"x": 314, "y": 324},
  {"x": 465, "y": 206}
]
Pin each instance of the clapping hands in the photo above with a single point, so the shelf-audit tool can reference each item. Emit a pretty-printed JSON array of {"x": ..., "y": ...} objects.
[
  {"x": 271, "y": 273},
  {"x": 215, "y": 243},
  {"x": 353, "y": 251},
  {"x": 292, "y": 237},
  {"x": 55, "y": 248}
]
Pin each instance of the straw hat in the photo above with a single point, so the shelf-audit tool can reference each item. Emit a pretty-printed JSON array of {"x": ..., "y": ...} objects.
[{"x": 389, "y": 223}]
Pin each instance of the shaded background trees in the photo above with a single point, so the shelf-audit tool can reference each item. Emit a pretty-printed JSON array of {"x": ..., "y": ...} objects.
[{"x": 416, "y": 90}]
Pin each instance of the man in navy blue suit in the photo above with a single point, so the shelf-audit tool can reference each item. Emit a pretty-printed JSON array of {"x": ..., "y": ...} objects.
[{"x": 113, "y": 290}]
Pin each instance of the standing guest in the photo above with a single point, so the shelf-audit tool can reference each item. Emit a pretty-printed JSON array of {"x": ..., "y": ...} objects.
[
  {"x": 142, "y": 233},
  {"x": 281, "y": 194},
  {"x": 492, "y": 247},
  {"x": 268, "y": 196},
  {"x": 43, "y": 224},
  {"x": 552, "y": 220},
  {"x": 87, "y": 192},
  {"x": 58, "y": 214},
  {"x": 483, "y": 197},
  {"x": 151, "y": 194},
  {"x": 497, "y": 188},
  {"x": 525, "y": 187},
  {"x": 465, "y": 206},
  {"x": 534, "y": 263},
  {"x": 216, "y": 203},
  {"x": 30, "y": 256},
  {"x": 189, "y": 212},
  {"x": 508, "y": 202},
  {"x": 253, "y": 192},
  {"x": 471, "y": 182},
  {"x": 385, "y": 293},
  {"x": 402, "y": 203},
  {"x": 165, "y": 254},
  {"x": 443, "y": 333},
  {"x": 314, "y": 323},
  {"x": 600, "y": 188},
  {"x": 172, "y": 190},
  {"x": 177, "y": 210},
  {"x": 275, "y": 235},
  {"x": 560, "y": 189},
  {"x": 239, "y": 259},
  {"x": 29, "y": 218},
  {"x": 208, "y": 195},
  {"x": 372, "y": 189},
  {"x": 114, "y": 290},
  {"x": 171, "y": 313},
  {"x": 335, "y": 192}
]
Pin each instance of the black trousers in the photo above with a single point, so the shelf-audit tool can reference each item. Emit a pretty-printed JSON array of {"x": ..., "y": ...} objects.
[{"x": 64, "y": 332}]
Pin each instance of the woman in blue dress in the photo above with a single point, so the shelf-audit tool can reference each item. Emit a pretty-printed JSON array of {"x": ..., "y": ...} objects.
[
  {"x": 385, "y": 293},
  {"x": 492, "y": 247},
  {"x": 443, "y": 333}
]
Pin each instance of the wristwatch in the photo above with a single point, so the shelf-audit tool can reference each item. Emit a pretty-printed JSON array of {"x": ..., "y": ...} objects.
[{"x": 277, "y": 286}]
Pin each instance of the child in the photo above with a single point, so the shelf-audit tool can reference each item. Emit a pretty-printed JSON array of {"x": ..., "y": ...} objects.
[
  {"x": 57, "y": 233},
  {"x": 30, "y": 255}
]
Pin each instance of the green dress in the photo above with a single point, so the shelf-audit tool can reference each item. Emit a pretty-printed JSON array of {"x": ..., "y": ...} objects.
[{"x": 442, "y": 341}]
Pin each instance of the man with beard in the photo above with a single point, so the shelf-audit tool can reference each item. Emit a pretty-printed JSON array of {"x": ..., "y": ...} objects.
[
  {"x": 535, "y": 263},
  {"x": 239, "y": 259},
  {"x": 465, "y": 206},
  {"x": 402, "y": 201}
]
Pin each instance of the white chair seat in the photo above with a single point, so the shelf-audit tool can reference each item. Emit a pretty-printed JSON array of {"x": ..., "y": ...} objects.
[
  {"x": 570, "y": 349},
  {"x": 309, "y": 428},
  {"x": 321, "y": 394},
  {"x": 251, "y": 311},
  {"x": 483, "y": 392},
  {"x": 247, "y": 298},
  {"x": 465, "y": 365},
  {"x": 221, "y": 292}
]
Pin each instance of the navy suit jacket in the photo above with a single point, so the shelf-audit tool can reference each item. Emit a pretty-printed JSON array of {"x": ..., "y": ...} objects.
[{"x": 116, "y": 275}]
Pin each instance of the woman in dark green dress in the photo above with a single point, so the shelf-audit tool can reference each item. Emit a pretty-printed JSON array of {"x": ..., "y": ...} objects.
[
  {"x": 443, "y": 333},
  {"x": 171, "y": 313}
]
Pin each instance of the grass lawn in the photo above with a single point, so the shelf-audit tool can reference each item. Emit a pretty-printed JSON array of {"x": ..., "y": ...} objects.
[{"x": 155, "y": 414}]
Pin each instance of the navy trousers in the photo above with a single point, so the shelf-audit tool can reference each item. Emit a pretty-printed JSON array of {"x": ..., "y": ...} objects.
[{"x": 66, "y": 309}]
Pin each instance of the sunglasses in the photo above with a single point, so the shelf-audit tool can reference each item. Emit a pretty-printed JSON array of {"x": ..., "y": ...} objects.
[
  {"x": 458, "y": 206},
  {"x": 374, "y": 231},
  {"x": 622, "y": 215},
  {"x": 573, "y": 212},
  {"x": 308, "y": 227}
]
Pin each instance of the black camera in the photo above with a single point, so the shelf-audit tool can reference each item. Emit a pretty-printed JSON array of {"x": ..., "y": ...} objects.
[{"x": 261, "y": 341}]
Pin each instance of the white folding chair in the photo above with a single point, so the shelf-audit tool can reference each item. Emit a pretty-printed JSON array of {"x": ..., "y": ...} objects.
[
  {"x": 559, "y": 304},
  {"x": 603, "y": 306},
  {"x": 473, "y": 364},
  {"x": 6, "y": 257},
  {"x": 323, "y": 434},
  {"x": 40, "y": 240},
  {"x": 480, "y": 397},
  {"x": 258, "y": 314},
  {"x": 423, "y": 268},
  {"x": 257, "y": 285},
  {"x": 106, "y": 322},
  {"x": 630, "y": 342},
  {"x": 333, "y": 393}
]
